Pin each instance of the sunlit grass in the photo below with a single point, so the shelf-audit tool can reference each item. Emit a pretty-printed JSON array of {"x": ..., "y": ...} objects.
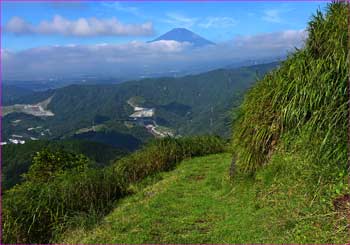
[{"x": 198, "y": 203}]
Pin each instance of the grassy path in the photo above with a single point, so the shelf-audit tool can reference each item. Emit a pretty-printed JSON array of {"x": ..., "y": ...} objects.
[{"x": 196, "y": 203}]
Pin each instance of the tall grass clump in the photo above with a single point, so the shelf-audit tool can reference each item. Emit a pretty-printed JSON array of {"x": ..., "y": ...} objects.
[
  {"x": 61, "y": 186},
  {"x": 306, "y": 95}
]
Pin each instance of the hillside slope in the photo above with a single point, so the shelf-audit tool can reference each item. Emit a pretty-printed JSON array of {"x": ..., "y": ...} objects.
[
  {"x": 198, "y": 203},
  {"x": 12, "y": 93}
]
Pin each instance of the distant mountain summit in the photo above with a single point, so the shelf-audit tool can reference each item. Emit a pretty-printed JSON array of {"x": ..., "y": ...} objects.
[{"x": 184, "y": 35}]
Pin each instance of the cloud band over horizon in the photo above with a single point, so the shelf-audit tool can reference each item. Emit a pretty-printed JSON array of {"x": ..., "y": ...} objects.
[
  {"x": 136, "y": 59},
  {"x": 82, "y": 27}
]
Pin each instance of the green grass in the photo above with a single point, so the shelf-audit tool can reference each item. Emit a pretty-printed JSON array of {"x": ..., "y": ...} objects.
[{"x": 197, "y": 203}]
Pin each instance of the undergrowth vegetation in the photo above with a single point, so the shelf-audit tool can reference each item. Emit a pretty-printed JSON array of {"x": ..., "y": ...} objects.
[{"x": 37, "y": 210}]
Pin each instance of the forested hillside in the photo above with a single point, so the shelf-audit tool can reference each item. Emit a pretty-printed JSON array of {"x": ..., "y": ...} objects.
[{"x": 197, "y": 104}]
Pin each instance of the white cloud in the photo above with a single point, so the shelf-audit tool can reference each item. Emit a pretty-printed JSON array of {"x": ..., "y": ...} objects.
[
  {"x": 218, "y": 22},
  {"x": 5, "y": 54},
  {"x": 167, "y": 46},
  {"x": 135, "y": 59},
  {"x": 18, "y": 25},
  {"x": 272, "y": 15},
  {"x": 275, "y": 15},
  {"x": 180, "y": 20},
  {"x": 82, "y": 27},
  {"x": 285, "y": 39}
]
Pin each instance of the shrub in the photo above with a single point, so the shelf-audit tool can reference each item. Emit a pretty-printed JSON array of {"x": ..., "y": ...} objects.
[{"x": 38, "y": 209}]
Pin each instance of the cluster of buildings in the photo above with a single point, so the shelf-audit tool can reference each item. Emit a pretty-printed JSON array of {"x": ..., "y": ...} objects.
[
  {"x": 20, "y": 139},
  {"x": 16, "y": 139}
]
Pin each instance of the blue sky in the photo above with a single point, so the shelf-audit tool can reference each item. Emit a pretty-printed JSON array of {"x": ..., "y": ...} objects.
[
  {"x": 216, "y": 21},
  {"x": 58, "y": 40}
]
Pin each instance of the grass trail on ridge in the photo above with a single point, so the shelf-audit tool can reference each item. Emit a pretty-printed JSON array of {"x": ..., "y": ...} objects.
[{"x": 195, "y": 203}]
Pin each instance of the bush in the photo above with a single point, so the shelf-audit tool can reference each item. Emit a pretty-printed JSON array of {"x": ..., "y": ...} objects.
[{"x": 38, "y": 209}]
